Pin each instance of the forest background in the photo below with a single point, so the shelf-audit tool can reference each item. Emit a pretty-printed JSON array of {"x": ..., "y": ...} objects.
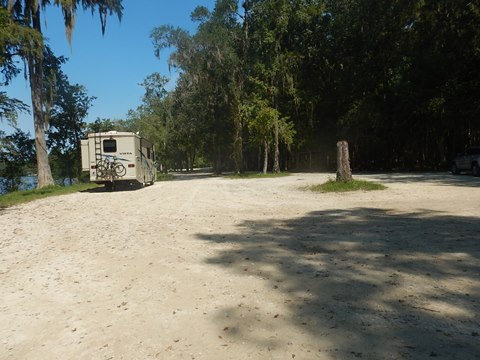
[{"x": 274, "y": 84}]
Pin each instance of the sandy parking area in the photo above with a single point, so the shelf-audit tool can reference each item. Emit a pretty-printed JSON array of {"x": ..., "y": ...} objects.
[{"x": 211, "y": 268}]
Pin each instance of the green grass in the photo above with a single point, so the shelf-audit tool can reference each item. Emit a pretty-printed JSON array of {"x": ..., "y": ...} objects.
[
  {"x": 18, "y": 197},
  {"x": 164, "y": 177},
  {"x": 354, "y": 185},
  {"x": 256, "y": 175}
]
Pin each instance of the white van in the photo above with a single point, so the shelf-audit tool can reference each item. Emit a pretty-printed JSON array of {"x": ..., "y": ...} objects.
[{"x": 118, "y": 157}]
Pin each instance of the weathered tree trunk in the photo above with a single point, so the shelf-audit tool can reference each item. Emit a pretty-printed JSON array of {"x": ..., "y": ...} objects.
[
  {"x": 344, "y": 173},
  {"x": 265, "y": 158},
  {"x": 35, "y": 67}
]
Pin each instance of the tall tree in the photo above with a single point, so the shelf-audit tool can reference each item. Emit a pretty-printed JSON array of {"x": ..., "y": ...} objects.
[
  {"x": 273, "y": 70},
  {"x": 209, "y": 66},
  {"x": 397, "y": 79},
  {"x": 267, "y": 127},
  {"x": 68, "y": 110},
  {"x": 153, "y": 117},
  {"x": 28, "y": 13}
]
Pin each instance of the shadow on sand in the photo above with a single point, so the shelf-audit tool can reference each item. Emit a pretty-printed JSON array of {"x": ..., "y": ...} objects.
[
  {"x": 467, "y": 180},
  {"x": 374, "y": 283},
  {"x": 193, "y": 175}
]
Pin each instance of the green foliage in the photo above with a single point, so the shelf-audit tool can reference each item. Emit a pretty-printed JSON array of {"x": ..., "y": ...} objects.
[
  {"x": 154, "y": 85},
  {"x": 204, "y": 105},
  {"x": 21, "y": 35},
  {"x": 164, "y": 177},
  {"x": 9, "y": 108},
  {"x": 263, "y": 123},
  {"x": 101, "y": 125},
  {"x": 266, "y": 127},
  {"x": 67, "y": 111},
  {"x": 354, "y": 185},
  {"x": 398, "y": 80},
  {"x": 152, "y": 118},
  {"x": 16, "y": 156},
  {"x": 19, "y": 197},
  {"x": 15, "y": 40},
  {"x": 200, "y": 14}
]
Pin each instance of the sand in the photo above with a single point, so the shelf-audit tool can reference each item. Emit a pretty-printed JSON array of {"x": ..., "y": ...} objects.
[{"x": 207, "y": 267}]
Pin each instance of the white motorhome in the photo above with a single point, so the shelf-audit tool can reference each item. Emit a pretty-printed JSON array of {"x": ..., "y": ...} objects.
[{"x": 118, "y": 157}]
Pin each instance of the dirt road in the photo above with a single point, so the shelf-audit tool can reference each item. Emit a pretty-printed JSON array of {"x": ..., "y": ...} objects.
[{"x": 212, "y": 268}]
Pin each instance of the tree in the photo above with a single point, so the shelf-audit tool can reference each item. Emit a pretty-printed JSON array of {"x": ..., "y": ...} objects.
[
  {"x": 154, "y": 116},
  {"x": 9, "y": 108},
  {"x": 101, "y": 125},
  {"x": 28, "y": 13},
  {"x": 396, "y": 79},
  {"x": 66, "y": 119},
  {"x": 267, "y": 127},
  {"x": 208, "y": 62},
  {"x": 13, "y": 38},
  {"x": 272, "y": 77},
  {"x": 344, "y": 173},
  {"x": 16, "y": 153}
]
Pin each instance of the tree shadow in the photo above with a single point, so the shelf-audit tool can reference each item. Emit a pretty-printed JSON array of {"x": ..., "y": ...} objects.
[
  {"x": 444, "y": 178},
  {"x": 373, "y": 283},
  {"x": 182, "y": 176}
]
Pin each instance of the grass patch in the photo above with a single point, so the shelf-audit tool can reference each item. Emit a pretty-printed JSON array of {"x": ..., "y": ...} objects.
[
  {"x": 256, "y": 175},
  {"x": 354, "y": 185},
  {"x": 19, "y": 197},
  {"x": 164, "y": 177}
]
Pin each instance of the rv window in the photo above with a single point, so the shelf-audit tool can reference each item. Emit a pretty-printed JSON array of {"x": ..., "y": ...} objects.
[{"x": 110, "y": 146}]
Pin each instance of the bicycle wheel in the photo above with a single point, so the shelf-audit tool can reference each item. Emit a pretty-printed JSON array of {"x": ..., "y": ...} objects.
[
  {"x": 120, "y": 170},
  {"x": 101, "y": 171}
]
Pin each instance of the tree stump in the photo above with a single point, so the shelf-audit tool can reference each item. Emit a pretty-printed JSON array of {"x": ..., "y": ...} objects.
[{"x": 344, "y": 173}]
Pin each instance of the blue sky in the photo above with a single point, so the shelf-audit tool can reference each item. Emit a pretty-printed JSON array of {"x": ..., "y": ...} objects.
[{"x": 110, "y": 66}]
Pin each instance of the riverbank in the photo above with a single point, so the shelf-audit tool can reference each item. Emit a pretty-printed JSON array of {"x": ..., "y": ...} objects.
[
  {"x": 20, "y": 197},
  {"x": 30, "y": 183}
]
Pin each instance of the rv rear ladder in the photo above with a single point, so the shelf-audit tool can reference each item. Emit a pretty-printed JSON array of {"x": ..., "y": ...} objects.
[{"x": 98, "y": 148}]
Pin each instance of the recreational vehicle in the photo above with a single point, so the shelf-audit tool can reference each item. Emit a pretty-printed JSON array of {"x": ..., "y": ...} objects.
[{"x": 115, "y": 157}]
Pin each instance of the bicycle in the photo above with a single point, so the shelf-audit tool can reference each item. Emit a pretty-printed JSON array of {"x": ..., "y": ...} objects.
[{"x": 110, "y": 169}]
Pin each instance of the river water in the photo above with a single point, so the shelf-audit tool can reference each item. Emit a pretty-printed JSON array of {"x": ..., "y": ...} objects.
[{"x": 30, "y": 182}]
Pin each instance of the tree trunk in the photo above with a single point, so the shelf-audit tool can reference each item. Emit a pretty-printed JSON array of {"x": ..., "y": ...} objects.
[
  {"x": 259, "y": 158},
  {"x": 238, "y": 141},
  {"x": 265, "y": 158},
  {"x": 276, "y": 153},
  {"x": 344, "y": 173},
  {"x": 35, "y": 67},
  {"x": 192, "y": 158},
  {"x": 242, "y": 74}
]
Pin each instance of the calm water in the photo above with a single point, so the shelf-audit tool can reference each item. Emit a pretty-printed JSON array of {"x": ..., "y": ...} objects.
[{"x": 30, "y": 182}]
